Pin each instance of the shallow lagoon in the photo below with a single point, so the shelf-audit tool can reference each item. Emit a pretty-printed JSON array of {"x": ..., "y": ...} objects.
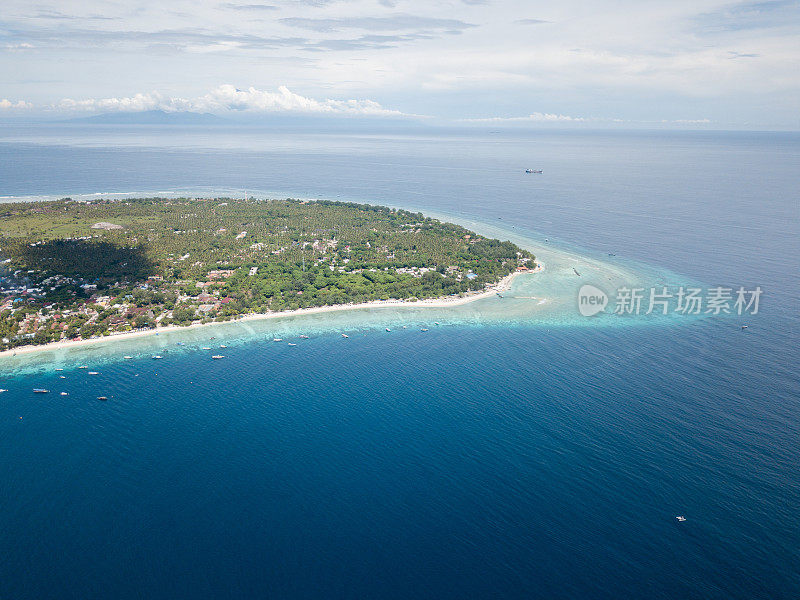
[{"x": 547, "y": 298}]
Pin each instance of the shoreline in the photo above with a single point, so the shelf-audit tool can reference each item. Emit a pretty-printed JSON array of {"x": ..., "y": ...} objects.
[{"x": 442, "y": 302}]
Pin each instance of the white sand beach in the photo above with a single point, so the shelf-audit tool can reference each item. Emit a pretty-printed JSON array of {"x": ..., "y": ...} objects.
[{"x": 445, "y": 302}]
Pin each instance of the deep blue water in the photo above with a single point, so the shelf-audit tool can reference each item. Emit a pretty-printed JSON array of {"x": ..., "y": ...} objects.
[{"x": 468, "y": 462}]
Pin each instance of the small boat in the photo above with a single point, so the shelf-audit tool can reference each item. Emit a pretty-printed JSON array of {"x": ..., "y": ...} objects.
[
  {"x": 61, "y": 377},
  {"x": 436, "y": 322},
  {"x": 181, "y": 343},
  {"x": 2, "y": 390},
  {"x": 157, "y": 357},
  {"x": 680, "y": 518},
  {"x": 128, "y": 357},
  {"x": 387, "y": 329},
  {"x": 303, "y": 337},
  {"x": 83, "y": 367},
  {"x": 423, "y": 330},
  {"x": 537, "y": 171},
  {"x": 205, "y": 348},
  {"x": 744, "y": 326},
  {"x": 40, "y": 391},
  {"x": 102, "y": 398},
  {"x": 277, "y": 339},
  {"x": 404, "y": 327},
  {"x": 222, "y": 346},
  {"x": 217, "y": 356},
  {"x": 93, "y": 373},
  {"x": 59, "y": 369},
  {"x": 499, "y": 295},
  {"x": 291, "y": 344},
  {"x": 576, "y": 271},
  {"x": 64, "y": 394},
  {"x": 344, "y": 335}
]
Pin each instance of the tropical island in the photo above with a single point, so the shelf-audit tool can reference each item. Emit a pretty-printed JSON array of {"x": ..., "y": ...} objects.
[{"x": 76, "y": 270}]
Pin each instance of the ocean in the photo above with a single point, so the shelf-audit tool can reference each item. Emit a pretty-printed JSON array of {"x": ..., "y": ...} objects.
[{"x": 505, "y": 453}]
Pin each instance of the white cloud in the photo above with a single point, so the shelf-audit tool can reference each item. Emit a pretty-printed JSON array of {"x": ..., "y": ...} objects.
[
  {"x": 18, "y": 47},
  {"x": 227, "y": 98},
  {"x": 536, "y": 117},
  {"x": 6, "y": 104},
  {"x": 734, "y": 61}
]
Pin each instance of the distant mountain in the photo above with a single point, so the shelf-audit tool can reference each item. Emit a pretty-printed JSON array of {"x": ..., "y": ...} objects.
[
  {"x": 271, "y": 121},
  {"x": 151, "y": 117},
  {"x": 320, "y": 123}
]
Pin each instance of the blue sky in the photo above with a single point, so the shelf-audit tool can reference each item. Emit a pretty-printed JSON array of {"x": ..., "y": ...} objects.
[{"x": 680, "y": 63}]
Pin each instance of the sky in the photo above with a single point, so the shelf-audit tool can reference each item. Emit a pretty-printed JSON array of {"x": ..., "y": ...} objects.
[{"x": 578, "y": 63}]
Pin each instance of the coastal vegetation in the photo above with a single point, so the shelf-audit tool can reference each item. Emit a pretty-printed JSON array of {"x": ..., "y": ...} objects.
[{"x": 76, "y": 269}]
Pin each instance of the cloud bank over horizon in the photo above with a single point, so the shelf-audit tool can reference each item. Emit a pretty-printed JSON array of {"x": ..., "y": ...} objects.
[
  {"x": 227, "y": 98},
  {"x": 536, "y": 117},
  {"x": 731, "y": 62},
  {"x": 6, "y": 104}
]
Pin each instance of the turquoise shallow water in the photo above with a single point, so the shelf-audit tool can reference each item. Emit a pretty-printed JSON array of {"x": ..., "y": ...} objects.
[
  {"x": 506, "y": 453},
  {"x": 545, "y": 299}
]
